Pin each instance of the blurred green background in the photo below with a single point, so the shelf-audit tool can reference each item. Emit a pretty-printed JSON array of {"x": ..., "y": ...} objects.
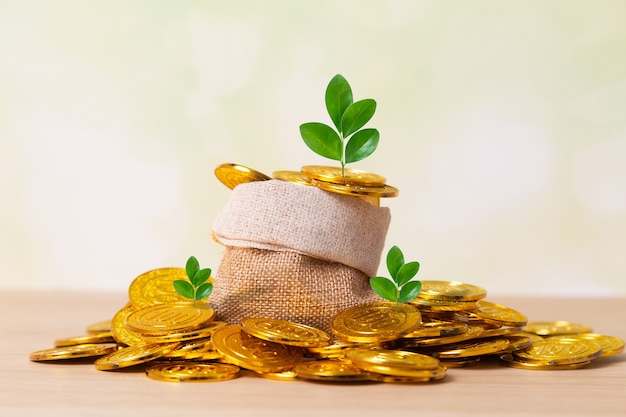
[{"x": 503, "y": 124}]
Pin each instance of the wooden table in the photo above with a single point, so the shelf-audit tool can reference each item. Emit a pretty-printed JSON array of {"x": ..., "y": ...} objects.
[{"x": 31, "y": 322}]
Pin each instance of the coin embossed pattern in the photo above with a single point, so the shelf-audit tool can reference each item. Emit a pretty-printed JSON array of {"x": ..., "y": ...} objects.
[{"x": 449, "y": 325}]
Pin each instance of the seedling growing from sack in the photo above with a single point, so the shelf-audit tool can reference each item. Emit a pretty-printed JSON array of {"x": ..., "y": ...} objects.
[
  {"x": 402, "y": 287},
  {"x": 347, "y": 143},
  {"x": 196, "y": 288}
]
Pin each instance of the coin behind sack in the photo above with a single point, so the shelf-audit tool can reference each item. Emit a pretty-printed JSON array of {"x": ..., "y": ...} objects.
[
  {"x": 350, "y": 176},
  {"x": 231, "y": 175}
]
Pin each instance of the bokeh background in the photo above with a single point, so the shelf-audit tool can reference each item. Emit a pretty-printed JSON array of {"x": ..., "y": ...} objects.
[{"x": 503, "y": 124}]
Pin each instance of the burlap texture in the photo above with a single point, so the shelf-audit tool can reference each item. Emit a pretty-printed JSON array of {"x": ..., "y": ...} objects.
[
  {"x": 282, "y": 216},
  {"x": 285, "y": 285}
]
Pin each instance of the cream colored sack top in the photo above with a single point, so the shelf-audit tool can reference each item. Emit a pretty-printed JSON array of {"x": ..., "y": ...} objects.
[{"x": 282, "y": 216}]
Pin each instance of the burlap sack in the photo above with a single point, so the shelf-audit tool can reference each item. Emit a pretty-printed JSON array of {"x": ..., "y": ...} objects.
[{"x": 295, "y": 253}]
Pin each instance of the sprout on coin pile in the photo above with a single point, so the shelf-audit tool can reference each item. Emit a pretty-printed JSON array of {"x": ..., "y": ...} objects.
[
  {"x": 402, "y": 287},
  {"x": 347, "y": 143},
  {"x": 196, "y": 288}
]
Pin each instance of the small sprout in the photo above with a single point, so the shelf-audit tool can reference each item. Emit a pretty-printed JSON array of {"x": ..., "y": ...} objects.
[
  {"x": 402, "y": 287},
  {"x": 196, "y": 288}
]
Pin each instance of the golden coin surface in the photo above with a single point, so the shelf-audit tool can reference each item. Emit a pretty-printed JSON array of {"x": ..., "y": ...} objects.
[
  {"x": 133, "y": 355},
  {"x": 280, "y": 376},
  {"x": 513, "y": 362},
  {"x": 518, "y": 342},
  {"x": 432, "y": 304},
  {"x": 471, "y": 333},
  {"x": 157, "y": 287},
  {"x": 99, "y": 327},
  {"x": 610, "y": 345},
  {"x": 192, "y": 372},
  {"x": 182, "y": 336},
  {"x": 407, "y": 372},
  {"x": 380, "y": 191},
  {"x": 500, "y": 331},
  {"x": 82, "y": 340},
  {"x": 330, "y": 370},
  {"x": 73, "y": 352},
  {"x": 166, "y": 318},
  {"x": 249, "y": 352},
  {"x": 337, "y": 349},
  {"x": 437, "y": 329},
  {"x": 499, "y": 315},
  {"x": 285, "y": 332},
  {"x": 120, "y": 332},
  {"x": 295, "y": 177},
  {"x": 370, "y": 359},
  {"x": 554, "y": 351},
  {"x": 472, "y": 348},
  {"x": 451, "y": 290},
  {"x": 554, "y": 328},
  {"x": 375, "y": 322},
  {"x": 231, "y": 175},
  {"x": 350, "y": 176}
]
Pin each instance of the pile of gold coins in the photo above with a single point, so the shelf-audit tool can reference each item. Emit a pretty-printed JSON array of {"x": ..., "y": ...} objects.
[
  {"x": 366, "y": 185},
  {"x": 448, "y": 325}
]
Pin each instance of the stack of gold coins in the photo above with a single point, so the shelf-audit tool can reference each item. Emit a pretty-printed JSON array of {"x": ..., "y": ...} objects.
[
  {"x": 449, "y": 325},
  {"x": 347, "y": 181}
]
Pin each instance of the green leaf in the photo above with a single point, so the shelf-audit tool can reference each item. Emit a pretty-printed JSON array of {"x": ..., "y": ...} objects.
[
  {"x": 356, "y": 115},
  {"x": 192, "y": 266},
  {"x": 361, "y": 145},
  {"x": 409, "y": 291},
  {"x": 395, "y": 259},
  {"x": 338, "y": 98},
  {"x": 322, "y": 140},
  {"x": 201, "y": 277},
  {"x": 184, "y": 288},
  {"x": 204, "y": 291},
  {"x": 406, "y": 272},
  {"x": 385, "y": 288}
]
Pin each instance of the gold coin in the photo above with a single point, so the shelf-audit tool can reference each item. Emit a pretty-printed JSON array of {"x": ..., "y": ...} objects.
[
  {"x": 120, "y": 332},
  {"x": 280, "y": 376},
  {"x": 375, "y": 322},
  {"x": 157, "y": 287},
  {"x": 554, "y": 328},
  {"x": 73, "y": 352},
  {"x": 499, "y": 315},
  {"x": 419, "y": 375},
  {"x": 167, "y": 318},
  {"x": 371, "y": 360},
  {"x": 295, "y": 177},
  {"x": 451, "y": 291},
  {"x": 500, "y": 331},
  {"x": 443, "y": 305},
  {"x": 350, "y": 176},
  {"x": 133, "y": 355},
  {"x": 100, "y": 327},
  {"x": 196, "y": 372},
  {"x": 380, "y": 191},
  {"x": 610, "y": 345},
  {"x": 471, "y": 333},
  {"x": 437, "y": 329},
  {"x": 330, "y": 370},
  {"x": 555, "y": 351},
  {"x": 513, "y": 362},
  {"x": 285, "y": 332},
  {"x": 337, "y": 349},
  {"x": 199, "y": 333},
  {"x": 193, "y": 346},
  {"x": 249, "y": 352},
  {"x": 231, "y": 175},
  {"x": 472, "y": 348},
  {"x": 406, "y": 379},
  {"x": 82, "y": 340},
  {"x": 518, "y": 342},
  {"x": 460, "y": 362}
]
